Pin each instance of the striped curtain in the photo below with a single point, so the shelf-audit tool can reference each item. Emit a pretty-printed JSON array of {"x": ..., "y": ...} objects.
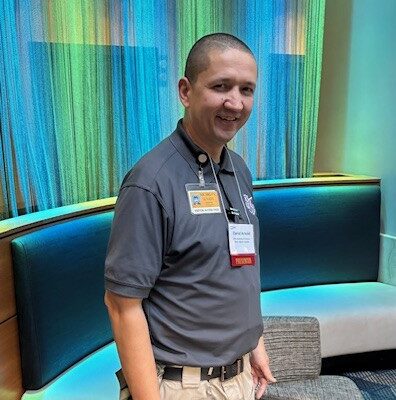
[{"x": 89, "y": 86}]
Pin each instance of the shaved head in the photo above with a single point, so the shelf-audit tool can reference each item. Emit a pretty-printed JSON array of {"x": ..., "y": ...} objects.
[{"x": 198, "y": 57}]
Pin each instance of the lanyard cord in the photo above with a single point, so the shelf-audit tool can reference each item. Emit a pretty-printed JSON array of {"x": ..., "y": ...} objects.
[
  {"x": 218, "y": 188},
  {"x": 239, "y": 188}
]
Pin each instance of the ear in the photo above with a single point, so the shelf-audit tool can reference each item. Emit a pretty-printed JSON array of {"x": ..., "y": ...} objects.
[{"x": 184, "y": 91}]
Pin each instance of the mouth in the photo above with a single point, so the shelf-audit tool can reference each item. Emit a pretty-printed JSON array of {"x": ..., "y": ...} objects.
[{"x": 228, "y": 118}]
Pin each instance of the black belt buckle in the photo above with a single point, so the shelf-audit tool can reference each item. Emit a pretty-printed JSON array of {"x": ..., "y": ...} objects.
[{"x": 229, "y": 371}]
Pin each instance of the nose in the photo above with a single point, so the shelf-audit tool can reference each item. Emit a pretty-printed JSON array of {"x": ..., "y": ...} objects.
[{"x": 233, "y": 101}]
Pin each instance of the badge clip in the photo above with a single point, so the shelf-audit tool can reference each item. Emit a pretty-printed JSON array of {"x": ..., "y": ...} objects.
[
  {"x": 201, "y": 178},
  {"x": 233, "y": 213}
]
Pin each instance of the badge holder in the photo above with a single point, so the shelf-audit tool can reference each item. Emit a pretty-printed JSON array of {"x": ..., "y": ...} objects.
[
  {"x": 241, "y": 242},
  {"x": 203, "y": 199}
]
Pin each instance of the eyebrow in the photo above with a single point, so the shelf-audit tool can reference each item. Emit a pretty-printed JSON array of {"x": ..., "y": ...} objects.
[{"x": 227, "y": 80}]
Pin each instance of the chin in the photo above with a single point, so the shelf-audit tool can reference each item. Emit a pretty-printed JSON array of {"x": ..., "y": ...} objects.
[{"x": 225, "y": 136}]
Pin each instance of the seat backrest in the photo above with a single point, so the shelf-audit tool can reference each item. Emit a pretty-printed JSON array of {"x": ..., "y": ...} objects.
[
  {"x": 320, "y": 234},
  {"x": 59, "y": 290}
]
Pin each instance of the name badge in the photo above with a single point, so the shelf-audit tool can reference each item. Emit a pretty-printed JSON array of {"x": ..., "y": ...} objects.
[
  {"x": 203, "y": 200},
  {"x": 241, "y": 242}
]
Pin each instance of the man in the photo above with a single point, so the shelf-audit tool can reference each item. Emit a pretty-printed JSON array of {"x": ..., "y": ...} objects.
[{"x": 182, "y": 277}]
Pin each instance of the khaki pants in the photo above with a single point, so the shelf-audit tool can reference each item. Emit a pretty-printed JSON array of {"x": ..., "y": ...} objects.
[{"x": 238, "y": 388}]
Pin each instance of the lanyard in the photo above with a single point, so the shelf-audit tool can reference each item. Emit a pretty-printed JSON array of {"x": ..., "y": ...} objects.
[{"x": 237, "y": 182}]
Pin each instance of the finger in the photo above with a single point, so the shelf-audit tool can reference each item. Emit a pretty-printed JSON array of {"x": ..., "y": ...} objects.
[
  {"x": 268, "y": 374},
  {"x": 255, "y": 377},
  {"x": 261, "y": 388}
]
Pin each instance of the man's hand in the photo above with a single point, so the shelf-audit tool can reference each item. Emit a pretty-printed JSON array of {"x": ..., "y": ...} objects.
[{"x": 261, "y": 372}]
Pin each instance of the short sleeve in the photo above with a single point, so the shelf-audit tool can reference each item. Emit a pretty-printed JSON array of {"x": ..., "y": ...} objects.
[{"x": 137, "y": 243}]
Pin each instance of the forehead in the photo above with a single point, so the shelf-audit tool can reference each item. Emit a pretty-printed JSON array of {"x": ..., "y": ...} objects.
[{"x": 230, "y": 64}]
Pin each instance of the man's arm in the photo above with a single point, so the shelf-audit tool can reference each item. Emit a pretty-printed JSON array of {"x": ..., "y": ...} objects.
[
  {"x": 132, "y": 337},
  {"x": 261, "y": 372}
]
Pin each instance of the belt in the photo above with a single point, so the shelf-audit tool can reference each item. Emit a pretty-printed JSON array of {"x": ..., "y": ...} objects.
[{"x": 224, "y": 372}]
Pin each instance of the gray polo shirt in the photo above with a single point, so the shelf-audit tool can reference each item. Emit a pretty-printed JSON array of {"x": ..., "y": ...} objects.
[{"x": 200, "y": 310}]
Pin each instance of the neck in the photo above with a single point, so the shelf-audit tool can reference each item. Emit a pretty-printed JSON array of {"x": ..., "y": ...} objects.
[{"x": 213, "y": 150}]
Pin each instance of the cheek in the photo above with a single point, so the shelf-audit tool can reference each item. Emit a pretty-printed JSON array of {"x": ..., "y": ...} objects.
[
  {"x": 248, "y": 105},
  {"x": 213, "y": 100},
  {"x": 208, "y": 101}
]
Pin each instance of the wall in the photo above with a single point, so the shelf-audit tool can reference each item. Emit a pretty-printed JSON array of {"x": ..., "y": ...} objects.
[{"x": 357, "y": 112}]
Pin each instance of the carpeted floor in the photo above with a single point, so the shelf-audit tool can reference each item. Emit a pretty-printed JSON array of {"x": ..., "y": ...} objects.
[
  {"x": 375, "y": 385},
  {"x": 374, "y": 373}
]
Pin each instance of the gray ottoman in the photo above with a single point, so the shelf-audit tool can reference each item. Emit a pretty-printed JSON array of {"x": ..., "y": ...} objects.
[{"x": 293, "y": 346}]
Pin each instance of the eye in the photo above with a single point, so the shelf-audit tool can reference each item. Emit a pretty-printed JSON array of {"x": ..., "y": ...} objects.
[
  {"x": 220, "y": 87},
  {"x": 248, "y": 91}
]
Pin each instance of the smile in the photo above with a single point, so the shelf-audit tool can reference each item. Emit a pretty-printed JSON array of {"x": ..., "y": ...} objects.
[{"x": 227, "y": 118}]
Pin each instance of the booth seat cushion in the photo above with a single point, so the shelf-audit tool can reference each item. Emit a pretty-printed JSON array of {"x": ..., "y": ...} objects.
[
  {"x": 324, "y": 388},
  {"x": 92, "y": 378},
  {"x": 59, "y": 289},
  {"x": 353, "y": 317}
]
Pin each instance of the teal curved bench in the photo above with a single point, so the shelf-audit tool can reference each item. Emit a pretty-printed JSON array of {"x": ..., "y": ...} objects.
[{"x": 319, "y": 257}]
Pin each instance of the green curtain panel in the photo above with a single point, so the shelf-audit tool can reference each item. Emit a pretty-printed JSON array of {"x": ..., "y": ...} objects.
[{"x": 89, "y": 86}]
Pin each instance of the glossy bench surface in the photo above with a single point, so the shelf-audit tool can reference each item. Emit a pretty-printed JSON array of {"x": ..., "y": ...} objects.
[{"x": 92, "y": 378}]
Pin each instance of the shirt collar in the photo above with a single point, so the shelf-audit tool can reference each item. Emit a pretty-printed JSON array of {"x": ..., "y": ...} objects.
[{"x": 190, "y": 152}]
